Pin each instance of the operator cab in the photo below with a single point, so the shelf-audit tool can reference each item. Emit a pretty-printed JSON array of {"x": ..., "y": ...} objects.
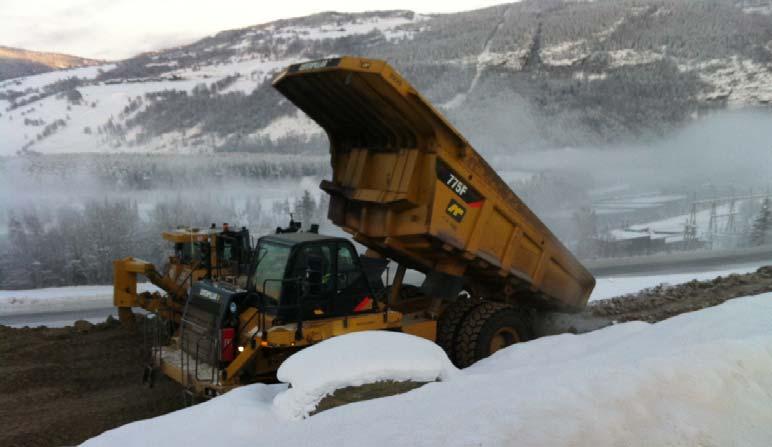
[
  {"x": 194, "y": 247},
  {"x": 293, "y": 278},
  {"x": 320, "y": 274}
]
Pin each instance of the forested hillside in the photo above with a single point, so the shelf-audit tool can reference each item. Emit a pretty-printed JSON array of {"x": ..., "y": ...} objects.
[{"x": 533, "y": 74}]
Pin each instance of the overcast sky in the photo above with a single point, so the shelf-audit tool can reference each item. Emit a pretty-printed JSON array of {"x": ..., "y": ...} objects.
[{"x": 113, "y": 29}]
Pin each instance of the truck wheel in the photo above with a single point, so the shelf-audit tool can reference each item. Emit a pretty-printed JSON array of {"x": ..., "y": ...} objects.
[
  {"x": 450, "y": 322},
  {"x": 488, "y": 328}
]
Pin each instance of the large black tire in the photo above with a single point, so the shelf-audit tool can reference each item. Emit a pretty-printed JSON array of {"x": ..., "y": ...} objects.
[
  {"x": 450, "y": 322},
  {"x": 489, "y": 327}
]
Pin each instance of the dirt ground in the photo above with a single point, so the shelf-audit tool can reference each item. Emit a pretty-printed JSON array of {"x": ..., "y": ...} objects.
[
  {"x": 657, "y": 303},
  {"x": 661, "y": 302},
  {"x": 60, "y": 387}
]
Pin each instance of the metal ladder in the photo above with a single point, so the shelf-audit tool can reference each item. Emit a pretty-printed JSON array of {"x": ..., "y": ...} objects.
[
  {"x": 187, "y": 363},
  {"x": 156, "y": 334}
]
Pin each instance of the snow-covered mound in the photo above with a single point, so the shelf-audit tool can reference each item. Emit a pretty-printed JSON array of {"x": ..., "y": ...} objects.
[
  {"x": 696, "y": 379},
  {"x": 353, "y": 360}
]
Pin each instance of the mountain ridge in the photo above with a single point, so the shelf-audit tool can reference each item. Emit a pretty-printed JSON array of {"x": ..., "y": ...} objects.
[
  {"x": 18, "y": 62},
  {"x": 527, "y": 75}
]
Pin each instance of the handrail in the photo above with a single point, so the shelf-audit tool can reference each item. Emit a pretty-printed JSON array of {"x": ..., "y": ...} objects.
[{"x": 213, "y": 344}]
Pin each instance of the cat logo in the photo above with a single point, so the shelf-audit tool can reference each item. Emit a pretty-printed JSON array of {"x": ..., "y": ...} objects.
[
  {"x": 209, "y": 295},
  {"x": 455, "y": 210}
]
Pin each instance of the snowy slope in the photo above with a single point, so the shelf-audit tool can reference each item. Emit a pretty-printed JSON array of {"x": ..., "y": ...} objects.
[
  {"x": 448, "y": 57},
  {"x": 698, "y": 379},
  {"x": 107, "y": 99}
]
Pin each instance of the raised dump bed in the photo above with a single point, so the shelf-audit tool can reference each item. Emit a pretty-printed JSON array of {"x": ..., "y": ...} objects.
[{"x": 410, "y": 187}]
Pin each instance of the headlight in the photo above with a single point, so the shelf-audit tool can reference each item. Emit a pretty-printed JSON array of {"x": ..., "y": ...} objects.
[{"x": 233, "y": 307}]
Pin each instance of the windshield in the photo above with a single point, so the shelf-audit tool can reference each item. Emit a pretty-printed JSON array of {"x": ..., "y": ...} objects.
[
  {"x": 187, "y": 252},
  {"x": 271, "y": 263}
]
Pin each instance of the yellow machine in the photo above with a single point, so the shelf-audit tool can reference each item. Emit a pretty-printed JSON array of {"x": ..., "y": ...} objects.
[
  {"x": 408, "y": 186},
  {"x": 216, "y": 253}
]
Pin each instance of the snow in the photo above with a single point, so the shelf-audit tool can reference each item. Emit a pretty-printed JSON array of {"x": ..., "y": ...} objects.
[
  {"x": 41, "y": 80},
  {"x": 765, "y": 10},
  {"x": 298, "y": 125},
  {"x": 387, "y": 25},
  {"x": 353, "y": 360},
  {"x": 484, "y": 59},
  {"x": 670, "y": 228},
  {"x": 625, "y": 57},
  {"x": 696, "y": 379},
  {"x": 565, "y": 53},
  {"x": 739, "y": 81},
  {"x": 110, "y": 100},
  {"x": 60, "y": 299},
  {"x": 614, "y": 286},
  {"x": 253, "y": 71},
  {"x": 676, "y": 224}
]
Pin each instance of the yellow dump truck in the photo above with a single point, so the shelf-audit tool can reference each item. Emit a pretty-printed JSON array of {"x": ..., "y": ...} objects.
[{"x": 408, "y": 186}]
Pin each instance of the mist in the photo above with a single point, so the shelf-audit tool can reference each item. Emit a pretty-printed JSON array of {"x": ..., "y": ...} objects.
[
  {"x": 717, "y": 155},
  {"x": 724, "y": 149}
]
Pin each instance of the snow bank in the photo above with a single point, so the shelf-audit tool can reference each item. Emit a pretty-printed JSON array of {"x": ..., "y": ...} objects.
[
  {"x": 60, "y": 299},
  {"x": 614, "y": 286},
  {"x": 353, "y": 360},
  {"x": 696, "y": 379}
]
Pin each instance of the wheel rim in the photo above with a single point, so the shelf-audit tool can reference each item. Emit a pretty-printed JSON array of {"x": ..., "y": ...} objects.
[{"x": 502, "y": 338}]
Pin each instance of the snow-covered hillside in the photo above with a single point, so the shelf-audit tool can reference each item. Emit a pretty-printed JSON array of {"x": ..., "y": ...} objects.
[
  {"x": 603, "y": 69},
  {"x": 36, "y": 115},
  {"x": 696, "y": 379}
]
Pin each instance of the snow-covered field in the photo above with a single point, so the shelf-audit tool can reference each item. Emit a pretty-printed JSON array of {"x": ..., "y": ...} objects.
[{"x": 699, "y": 379}]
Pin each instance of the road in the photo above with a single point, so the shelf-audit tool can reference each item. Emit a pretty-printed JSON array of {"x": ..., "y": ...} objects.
[
  {"x": 57, "y": 318},
  {"x": 681, "y": 262},
  {"x": 643, "y": 266}
]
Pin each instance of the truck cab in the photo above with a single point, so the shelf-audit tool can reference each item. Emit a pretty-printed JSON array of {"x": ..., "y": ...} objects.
[
  {"x": 323, "y": 272},
  {"x": 301, "y": 288}
]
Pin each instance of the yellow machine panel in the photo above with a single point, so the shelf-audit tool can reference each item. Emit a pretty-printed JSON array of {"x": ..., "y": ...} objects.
[{"x": 409, "y": 186}]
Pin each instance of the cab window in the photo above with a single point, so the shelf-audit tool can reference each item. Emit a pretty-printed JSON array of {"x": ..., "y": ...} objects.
[
  {"x": 271, "y": 264},
  {"x": 353, "y": 294},
  {"x": 348, "y": 273},
  {"x": 325, "y": 254}
]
